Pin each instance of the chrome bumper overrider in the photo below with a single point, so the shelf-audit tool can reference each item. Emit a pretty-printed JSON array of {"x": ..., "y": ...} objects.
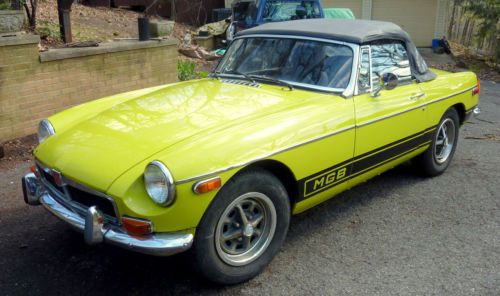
[{"x": 97, "y": 230}]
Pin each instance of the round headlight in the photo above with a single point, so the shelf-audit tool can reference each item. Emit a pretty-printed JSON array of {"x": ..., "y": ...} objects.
[
  {"x": 45, "y": 130},
  {"x": 159, "y": 183}
]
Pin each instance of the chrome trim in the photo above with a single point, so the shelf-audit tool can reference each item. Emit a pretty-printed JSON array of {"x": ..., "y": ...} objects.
[
  {"x": 46, "y": 124},
  {"x": 313, "y": 140},
  {"x": 157, "y": 244},
  {"x": 263, "y": 157},
  {"x": 358, "y": 68},
  {"x": 476, "y": 111},
  {"x": 94, "y": 224},
  {"x": 349, "y": 90},
  {"x": 449, "y": 96},
  {"x": 197, "y": 184},
  {"x": 32, "y": 189},
  {"x": 170, "y": 183},
  {"x": 69, "y": 182},
  {"x": 411, "y": 109}
]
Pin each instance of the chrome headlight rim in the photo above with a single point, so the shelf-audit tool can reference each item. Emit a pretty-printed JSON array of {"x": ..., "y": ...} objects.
[
  {"x": 46, "y": 127},
  {"x": 169, "y": 182}
]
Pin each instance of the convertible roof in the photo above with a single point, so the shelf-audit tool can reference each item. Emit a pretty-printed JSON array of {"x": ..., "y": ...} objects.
[{"x": 353, "y": 31}]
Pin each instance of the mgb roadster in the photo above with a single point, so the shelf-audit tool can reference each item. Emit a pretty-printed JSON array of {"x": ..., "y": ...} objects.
[{"x": 295, "y": 113}]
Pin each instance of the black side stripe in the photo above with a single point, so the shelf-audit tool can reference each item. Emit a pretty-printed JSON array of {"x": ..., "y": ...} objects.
[{"x": 358, "y": 165}]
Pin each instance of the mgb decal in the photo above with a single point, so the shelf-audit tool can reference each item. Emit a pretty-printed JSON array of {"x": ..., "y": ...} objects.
[{"x": 324, "y": 180}]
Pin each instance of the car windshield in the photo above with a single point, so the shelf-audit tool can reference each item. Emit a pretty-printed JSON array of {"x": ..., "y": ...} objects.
[
  {"x": 277, "y": 11},
  {"x": 298, "y": 61}
]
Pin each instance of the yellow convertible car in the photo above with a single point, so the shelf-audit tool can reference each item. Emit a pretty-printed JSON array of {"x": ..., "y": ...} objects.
[{"x": 295, "y": 113}]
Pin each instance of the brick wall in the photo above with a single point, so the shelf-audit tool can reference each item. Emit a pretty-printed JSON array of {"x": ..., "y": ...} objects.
[{"x": 35, "y": 85}]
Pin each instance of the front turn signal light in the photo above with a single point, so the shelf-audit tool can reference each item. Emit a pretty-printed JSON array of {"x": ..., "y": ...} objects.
[
  {"x": 136, "y": 226},
  {"x": 207, "y": 185}
]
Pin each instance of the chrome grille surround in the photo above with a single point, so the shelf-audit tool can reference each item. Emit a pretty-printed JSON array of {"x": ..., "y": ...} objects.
[{"x": 62, "y": 194}]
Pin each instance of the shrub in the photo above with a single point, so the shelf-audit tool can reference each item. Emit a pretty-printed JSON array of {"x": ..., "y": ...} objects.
[
  {"x": 4, "y": 5},
  {"x": 186, "y": 70}
]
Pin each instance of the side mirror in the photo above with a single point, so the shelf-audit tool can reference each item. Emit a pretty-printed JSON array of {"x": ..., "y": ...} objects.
[{"x": 388, "y": 81}]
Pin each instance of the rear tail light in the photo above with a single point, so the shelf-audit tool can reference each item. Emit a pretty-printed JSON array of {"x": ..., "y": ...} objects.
[
  {"x": 136, "y": 226},
  {"x": 477, "y": 89}
]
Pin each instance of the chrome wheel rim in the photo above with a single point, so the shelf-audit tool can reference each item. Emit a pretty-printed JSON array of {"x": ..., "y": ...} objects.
[
  {"x": 245, "y": 229},
  {"x": 445, "y": 139}
]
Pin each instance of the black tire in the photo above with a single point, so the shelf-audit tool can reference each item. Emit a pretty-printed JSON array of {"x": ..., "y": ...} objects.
[
  {"x": 428, "y": 162},
  {"x": 205, "y": 254}
]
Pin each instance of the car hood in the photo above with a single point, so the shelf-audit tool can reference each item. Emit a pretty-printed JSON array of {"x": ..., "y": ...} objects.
[{"x": 98, "y": 149}]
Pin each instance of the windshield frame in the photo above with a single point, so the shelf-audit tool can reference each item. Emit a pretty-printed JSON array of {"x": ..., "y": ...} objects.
[{"x": 347, "y": 92}]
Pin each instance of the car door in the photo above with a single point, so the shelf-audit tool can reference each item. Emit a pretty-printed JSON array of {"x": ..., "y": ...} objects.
[{"x": 392, "y": 123}]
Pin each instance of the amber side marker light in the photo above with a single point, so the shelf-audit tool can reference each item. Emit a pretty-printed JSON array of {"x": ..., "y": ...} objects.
[
  {"x": 207, "y": 185},
  {"x": 136, "y": 226}
]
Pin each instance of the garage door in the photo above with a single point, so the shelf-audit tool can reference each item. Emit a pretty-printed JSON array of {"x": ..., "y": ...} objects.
[
  {"x": 354, "y": 5},
  {"x": 418, "y": 18}
]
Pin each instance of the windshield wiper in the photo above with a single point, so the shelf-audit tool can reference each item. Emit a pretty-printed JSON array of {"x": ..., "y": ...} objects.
[
  {"x": 272, "y": 80},
  {"x": 214, "y": 74},
  {"x": 248, "y": 77}
]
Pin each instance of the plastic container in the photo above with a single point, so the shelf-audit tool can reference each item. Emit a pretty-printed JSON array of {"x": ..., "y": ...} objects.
[{"x": 435, "y": 43}]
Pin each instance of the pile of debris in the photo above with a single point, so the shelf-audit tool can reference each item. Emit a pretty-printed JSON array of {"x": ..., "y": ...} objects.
[{"x": 206, "y": 42}]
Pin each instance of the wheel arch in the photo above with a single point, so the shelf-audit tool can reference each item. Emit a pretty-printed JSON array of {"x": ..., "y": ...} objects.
[
  {"x": 460, "y": 108},
  {"x": 283, "y": 173}
]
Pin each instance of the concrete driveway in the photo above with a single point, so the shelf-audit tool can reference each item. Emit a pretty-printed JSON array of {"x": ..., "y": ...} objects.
[{"x": 398, "y": 234}]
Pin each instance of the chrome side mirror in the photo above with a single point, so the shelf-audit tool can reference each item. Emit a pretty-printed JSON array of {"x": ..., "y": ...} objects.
[{"x": 387, "y": 81}]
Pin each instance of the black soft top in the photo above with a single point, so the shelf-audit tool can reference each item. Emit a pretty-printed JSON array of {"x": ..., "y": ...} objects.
[{"x": 353, "y": 31}]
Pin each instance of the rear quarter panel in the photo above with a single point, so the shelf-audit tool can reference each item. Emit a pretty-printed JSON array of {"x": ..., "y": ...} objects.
[{"x": 447, "y": 90}]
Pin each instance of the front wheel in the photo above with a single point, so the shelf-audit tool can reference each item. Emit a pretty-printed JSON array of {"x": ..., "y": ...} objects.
[
  {"x": 243, "y": 228},
  {"x": 436, "y": 159}
]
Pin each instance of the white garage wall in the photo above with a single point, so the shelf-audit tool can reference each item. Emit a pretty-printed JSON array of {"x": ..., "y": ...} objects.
[
  {"x": 422, "y": 19},
  {"x": 418, "y": 18}
]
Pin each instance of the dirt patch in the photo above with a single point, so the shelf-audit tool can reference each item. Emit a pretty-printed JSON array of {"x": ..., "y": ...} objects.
[
  {"x": 87, "y": 23},
  {"x": 18, "y": 150},
  {"x": 101, "y": 24}
]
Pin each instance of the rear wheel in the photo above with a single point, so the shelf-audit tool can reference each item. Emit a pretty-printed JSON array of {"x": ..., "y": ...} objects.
[
  {"x": 243, "y": 228},
  {"x": 436, "y": 159}
]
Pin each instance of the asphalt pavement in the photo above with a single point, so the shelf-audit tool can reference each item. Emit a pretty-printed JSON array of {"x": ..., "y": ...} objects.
[{"x": 397, "y": 234}]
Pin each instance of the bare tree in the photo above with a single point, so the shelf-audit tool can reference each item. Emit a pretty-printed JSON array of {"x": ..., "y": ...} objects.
[{"x": 31, "y": 10}]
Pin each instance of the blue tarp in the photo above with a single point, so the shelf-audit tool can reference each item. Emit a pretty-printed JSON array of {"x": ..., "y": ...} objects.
[{"x": 338, "y": 13}]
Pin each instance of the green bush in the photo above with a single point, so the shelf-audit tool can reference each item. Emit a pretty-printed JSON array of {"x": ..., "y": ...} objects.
[
  {"x": 186, "y": 70},
  {"x": 48, "y": 29},
  {"x": 4, "y": 5}
]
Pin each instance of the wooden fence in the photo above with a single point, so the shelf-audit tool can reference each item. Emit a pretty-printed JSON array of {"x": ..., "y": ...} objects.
[{"x": 463, "y": 29}]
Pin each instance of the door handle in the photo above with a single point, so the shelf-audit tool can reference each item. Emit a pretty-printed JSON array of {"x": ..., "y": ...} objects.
[{"x": 417, "y": 96}]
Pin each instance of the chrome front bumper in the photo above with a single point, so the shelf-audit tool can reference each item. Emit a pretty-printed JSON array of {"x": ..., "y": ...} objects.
[{"x": 97, "y": 230}]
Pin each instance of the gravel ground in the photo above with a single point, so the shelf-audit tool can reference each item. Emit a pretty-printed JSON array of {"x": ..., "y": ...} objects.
[{"x": 398, "y": 234}]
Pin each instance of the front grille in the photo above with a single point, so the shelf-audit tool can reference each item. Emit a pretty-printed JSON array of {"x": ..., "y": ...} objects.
[
  {"x": 88, "y": 200},
  {"x": 78, "y": 196}
]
